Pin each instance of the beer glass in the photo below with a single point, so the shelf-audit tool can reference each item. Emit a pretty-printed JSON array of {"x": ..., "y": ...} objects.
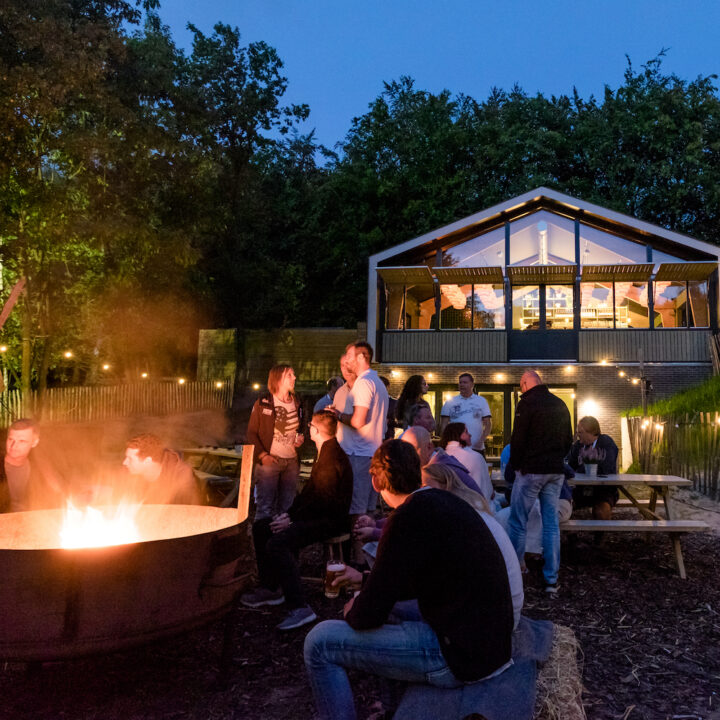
[{"x": 332, "y": 570}]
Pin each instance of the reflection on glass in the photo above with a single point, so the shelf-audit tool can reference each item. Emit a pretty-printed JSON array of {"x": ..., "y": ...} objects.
[
  {"x": 526, "y": 307},
  {"x": 596, "y": 305},
  {"x": 394, "y": 306},
  {"x": 495, "y": 442},
  {"x": 559, "y": 307},
  {"x": 671, "y": 304},
  {"x": 487, "y": 250},
  {"x": 631, "y": 305},
  {"x": 466, "y": 306},
  {"x": 699, "y": 310}
]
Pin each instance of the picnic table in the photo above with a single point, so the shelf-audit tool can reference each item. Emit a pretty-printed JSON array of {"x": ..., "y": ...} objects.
[
  {"x": 650, "y": 521},
  {"x": 217, "y": 471}
]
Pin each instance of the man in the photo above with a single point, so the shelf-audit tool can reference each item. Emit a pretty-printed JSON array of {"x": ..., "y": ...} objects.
[
  {"x": 421, "y": 416},
  {"x": 435, "y": 548},
  {"x": 541, "y": 438},
  {"x": 589, "y": 439},
  {"x": 365, "y": 424},
  {"x": 391, "y": 419},
  {"x": 327, "y": 399},
  {"x": 26, "y": 482},
  {"x": 161, "y": 476},
  {"x": 471, "y": 409},
  {"x": 318, "y": 512}
]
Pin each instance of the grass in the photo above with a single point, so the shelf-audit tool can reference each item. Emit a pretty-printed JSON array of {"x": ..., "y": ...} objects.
[{"x": 701, "y": 398}]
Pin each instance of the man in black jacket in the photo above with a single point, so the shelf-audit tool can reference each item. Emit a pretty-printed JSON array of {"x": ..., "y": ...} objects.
[
  {"x": 541, "y": 438},
  {"x": 320, "y": 511},
  {"x": 436, "y": 549}
]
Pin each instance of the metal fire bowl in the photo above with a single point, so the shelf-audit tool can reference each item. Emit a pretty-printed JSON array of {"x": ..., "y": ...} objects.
[{"x": 57, "y": 604}]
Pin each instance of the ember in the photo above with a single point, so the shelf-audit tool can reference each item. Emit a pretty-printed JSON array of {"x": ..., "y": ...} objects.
[{"x": 93, "y": 527}]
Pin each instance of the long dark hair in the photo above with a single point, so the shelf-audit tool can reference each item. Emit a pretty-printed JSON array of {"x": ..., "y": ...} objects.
[{"x": 411, "y": 393}]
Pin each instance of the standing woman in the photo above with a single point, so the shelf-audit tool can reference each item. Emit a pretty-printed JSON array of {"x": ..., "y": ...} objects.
[
  {"x": 275, "y": 430},
  {"x": 412, "y": 394}
]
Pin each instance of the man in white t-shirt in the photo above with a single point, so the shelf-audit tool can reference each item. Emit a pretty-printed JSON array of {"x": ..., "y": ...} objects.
[
  {"x": 365, "y": 424},
  {"x": 343, "y": 403},
  {"x": 471, "y": 409}
]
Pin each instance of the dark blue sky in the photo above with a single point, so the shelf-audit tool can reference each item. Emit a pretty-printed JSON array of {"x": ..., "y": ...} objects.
[{"x": 338, "y": 53}]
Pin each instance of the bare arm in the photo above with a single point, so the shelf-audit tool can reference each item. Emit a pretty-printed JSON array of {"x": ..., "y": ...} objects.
[{"x": 487, "y": 427}]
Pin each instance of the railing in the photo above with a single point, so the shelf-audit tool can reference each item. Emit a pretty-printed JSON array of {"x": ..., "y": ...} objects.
[
  {"x": 688, "y": 446},
  {"x": 93, "y": 403}
]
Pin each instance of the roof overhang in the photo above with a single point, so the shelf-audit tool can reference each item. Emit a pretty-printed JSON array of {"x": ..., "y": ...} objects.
[
  {"x": 686, "y": 271},
  {"x": 469, "y": 275},
  {"x": 418, "y": 275},
  {"x": 535, "y": 274},
  {"x": 630, "y": 272}
]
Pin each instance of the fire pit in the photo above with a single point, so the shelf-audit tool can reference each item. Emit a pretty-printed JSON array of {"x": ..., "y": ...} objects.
[{"x": 59, "y": 603}]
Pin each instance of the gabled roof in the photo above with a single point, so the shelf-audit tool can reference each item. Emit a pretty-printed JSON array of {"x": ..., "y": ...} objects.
[{"x": 546, "y": 199}]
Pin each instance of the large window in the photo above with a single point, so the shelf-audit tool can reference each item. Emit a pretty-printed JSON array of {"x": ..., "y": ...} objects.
[
  {"x": 472, "y": 306},
  {"x": 559, "y": 307},
  {"x": 681, "y": 304},
  {"x": 596, "y": 305},
  {"x": 526, "y": 307},
  {"x": 631, "y": 305},
  {"x": 409, "y": 307}
]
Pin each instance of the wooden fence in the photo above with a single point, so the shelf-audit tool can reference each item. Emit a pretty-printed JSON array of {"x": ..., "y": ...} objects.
[
  {"x": 688, "y": 446},
  {"x": 93, "y": 403}
]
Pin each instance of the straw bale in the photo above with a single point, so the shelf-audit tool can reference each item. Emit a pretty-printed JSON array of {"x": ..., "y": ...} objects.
[{"x": 559, "y": 685}]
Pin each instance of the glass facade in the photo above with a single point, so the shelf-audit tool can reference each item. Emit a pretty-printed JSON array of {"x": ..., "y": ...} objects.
[{"x": 472, "y": 306}]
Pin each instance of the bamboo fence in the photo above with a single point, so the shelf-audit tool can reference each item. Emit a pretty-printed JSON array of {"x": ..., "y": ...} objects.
[
  {"x": 94, "y": 403},
  {"x": 687, "y": 445}
]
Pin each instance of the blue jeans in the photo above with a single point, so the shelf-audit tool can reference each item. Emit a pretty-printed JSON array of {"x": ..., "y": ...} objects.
[
  {"x": 526, "y": 490},
  {"x": 408, "y": 652},
  {"x": 364, "y": 497},
  {"x": 275, "y": 486}
]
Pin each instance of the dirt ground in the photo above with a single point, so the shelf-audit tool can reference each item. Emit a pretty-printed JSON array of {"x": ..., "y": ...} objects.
[{"x": 650, "y": 643}]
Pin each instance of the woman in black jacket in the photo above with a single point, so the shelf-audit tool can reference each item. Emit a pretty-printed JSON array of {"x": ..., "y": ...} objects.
[{"x": 275, "y": 430}]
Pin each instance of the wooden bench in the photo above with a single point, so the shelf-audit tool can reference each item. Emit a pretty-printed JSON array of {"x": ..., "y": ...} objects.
[{"x": 672, "y": 527}]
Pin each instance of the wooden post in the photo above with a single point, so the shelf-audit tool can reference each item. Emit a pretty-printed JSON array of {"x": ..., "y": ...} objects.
[{"x": 246, "y": 469}]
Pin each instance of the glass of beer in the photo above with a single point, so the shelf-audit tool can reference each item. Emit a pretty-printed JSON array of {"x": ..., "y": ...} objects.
[{"x": 332, "y": 570}]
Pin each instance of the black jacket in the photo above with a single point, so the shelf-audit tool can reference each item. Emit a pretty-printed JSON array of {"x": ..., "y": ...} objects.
[
  {"x": 608, "y": 465},
  {"x": 436, "y": 548},
  {"x": 327, "y": 494},
  {"x": 262, "y": 424},
  {"x": 542, "y": 434}
]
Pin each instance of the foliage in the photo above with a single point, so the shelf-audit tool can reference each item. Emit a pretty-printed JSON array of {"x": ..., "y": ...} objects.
[
  {"x": 700, "y": 398},
  {"x": 145, "y": 192}
]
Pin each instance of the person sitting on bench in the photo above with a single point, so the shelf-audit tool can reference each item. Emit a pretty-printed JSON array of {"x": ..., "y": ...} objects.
[
  {"x": 320, "y": 511},
  {"x": 435, "y": 548},
  {"x": 600, "y": 499}
]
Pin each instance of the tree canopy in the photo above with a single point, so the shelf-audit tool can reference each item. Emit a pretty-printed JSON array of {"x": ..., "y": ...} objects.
[{"x": 146, "y": 191}]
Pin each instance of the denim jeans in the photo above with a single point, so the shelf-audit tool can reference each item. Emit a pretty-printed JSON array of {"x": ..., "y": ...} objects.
[
  {"x": 408, "y": 652},
  {"x": 275, "y": 486},
  {"x": 364, "y": 496},
  {"x": 526, "y": 490}
]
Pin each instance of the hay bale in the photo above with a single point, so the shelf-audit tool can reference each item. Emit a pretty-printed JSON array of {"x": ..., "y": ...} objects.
[{"x": 559, "y": 684}]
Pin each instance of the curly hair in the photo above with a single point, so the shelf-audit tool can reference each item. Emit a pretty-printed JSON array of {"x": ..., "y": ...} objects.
[
  {"x": 148, "y": 445},
  {"x": 395, "y": 467}
]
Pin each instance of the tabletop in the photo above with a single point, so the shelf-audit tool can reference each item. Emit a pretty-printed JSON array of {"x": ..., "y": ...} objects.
[{"x": 630, "y": 479}]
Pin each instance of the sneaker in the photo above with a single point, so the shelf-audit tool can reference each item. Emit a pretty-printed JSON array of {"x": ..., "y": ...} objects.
[
  {"x": 551, "y": 588},
  {"x": 262, "y": 596},
  {"x": 297, "y": 618}
]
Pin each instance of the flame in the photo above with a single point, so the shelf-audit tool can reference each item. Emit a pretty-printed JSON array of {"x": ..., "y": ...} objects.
[{"x": 92, "y": 527}]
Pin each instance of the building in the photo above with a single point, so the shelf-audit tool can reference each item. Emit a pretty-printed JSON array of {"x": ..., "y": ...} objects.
[{"x": 605, "y": 306}]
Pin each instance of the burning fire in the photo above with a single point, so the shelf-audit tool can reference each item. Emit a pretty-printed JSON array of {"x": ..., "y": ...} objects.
[{"x": 92, "y": 527}]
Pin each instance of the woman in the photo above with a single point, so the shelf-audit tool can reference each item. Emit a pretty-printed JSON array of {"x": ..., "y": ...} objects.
[
  {"x": 443, "y": 478},
  {"x": 455, "y": 440},
  {"x": 412, "y": 394},
  {"x": 275, "y": 430},
  {"x": 601, "y": 499}
]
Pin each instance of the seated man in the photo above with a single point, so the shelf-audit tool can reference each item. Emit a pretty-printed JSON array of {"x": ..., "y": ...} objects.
[
  {"x": 601, "y": 499},
  {"x": 320, "y": 511},
  {"x": 161, "y": 477},
  {"x": 26, "y": 481},
  {"x": 436, "y": 549}
]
